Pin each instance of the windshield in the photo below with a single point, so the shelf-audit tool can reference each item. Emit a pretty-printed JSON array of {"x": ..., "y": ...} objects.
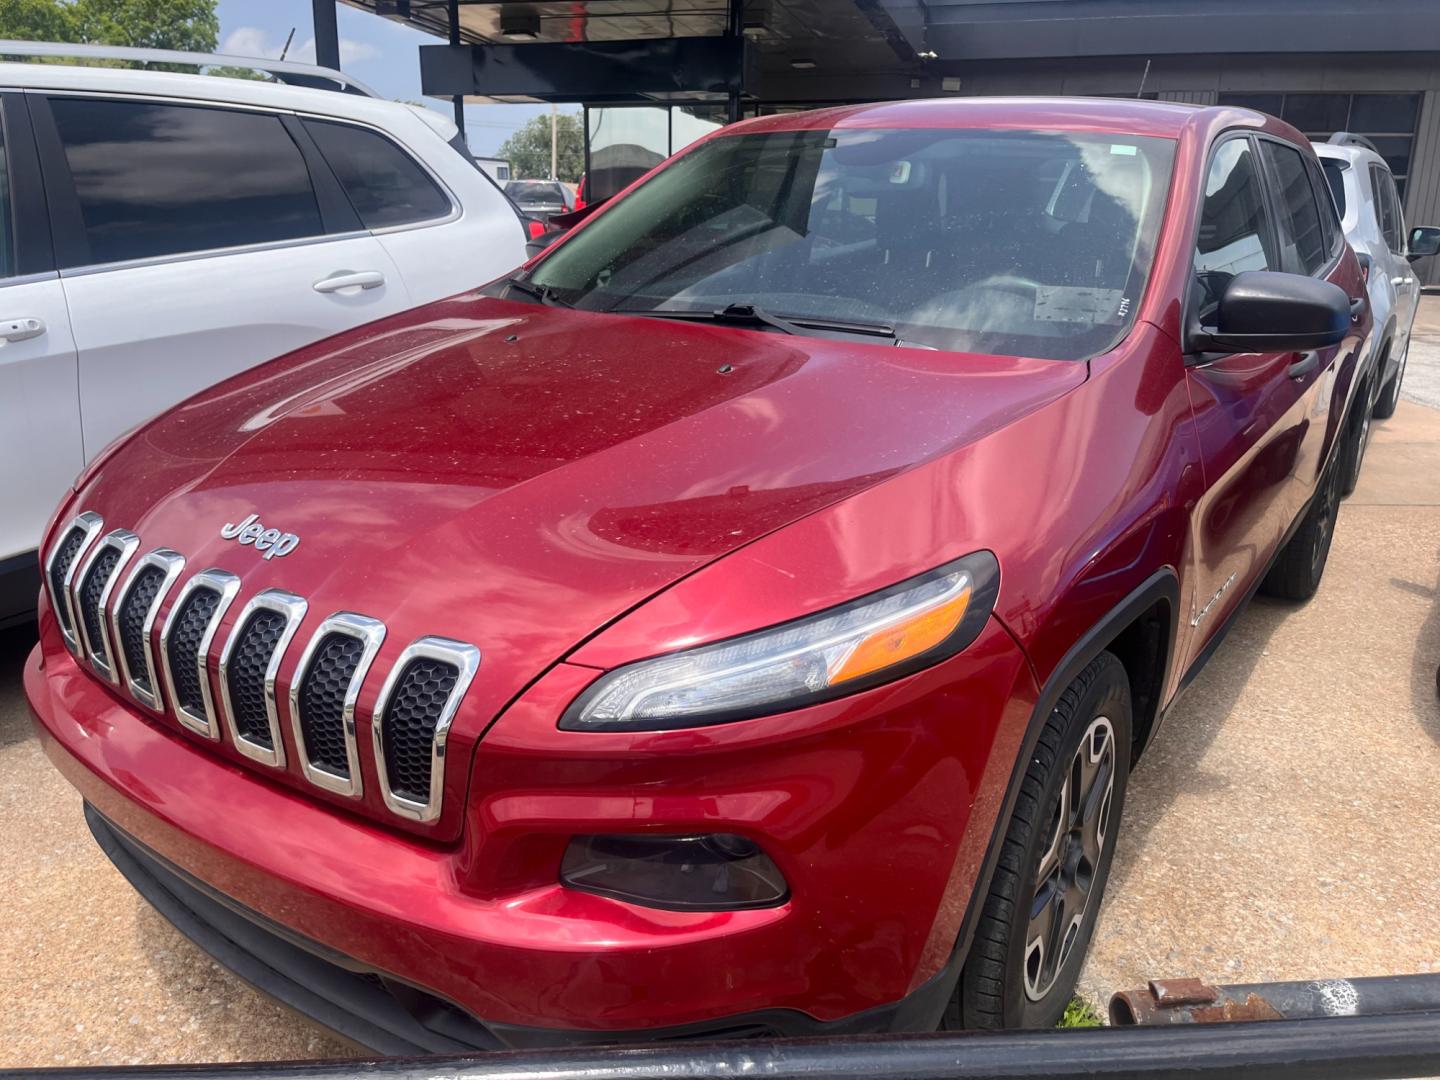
[{"x": 1019, "y": 243}]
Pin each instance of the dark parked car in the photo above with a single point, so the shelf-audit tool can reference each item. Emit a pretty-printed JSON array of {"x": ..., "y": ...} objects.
[
  {"x": 744, "y": 618},
  {"x": 538, "y": 198}
]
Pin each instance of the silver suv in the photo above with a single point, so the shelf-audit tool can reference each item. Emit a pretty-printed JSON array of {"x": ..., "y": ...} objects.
[{"x": 1374, "y": 223}]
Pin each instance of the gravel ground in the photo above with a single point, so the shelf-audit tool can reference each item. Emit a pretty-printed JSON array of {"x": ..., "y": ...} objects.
[{"x": 1282, "y": 826}]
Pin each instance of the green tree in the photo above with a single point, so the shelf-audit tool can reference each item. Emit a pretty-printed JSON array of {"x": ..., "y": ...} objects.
[
  {"x": 36, "y": 20},
  {"x": 528, "y": 150},
  {"x": 156, "y": 24}
]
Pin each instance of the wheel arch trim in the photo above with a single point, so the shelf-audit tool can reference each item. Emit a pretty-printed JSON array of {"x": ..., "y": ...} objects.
[{"x": 1163, "y": 585}]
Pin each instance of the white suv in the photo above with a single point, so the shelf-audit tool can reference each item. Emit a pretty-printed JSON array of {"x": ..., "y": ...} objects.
[
  {"x": 1374, "y": 223},
  {"x": 161, "y": 231}
]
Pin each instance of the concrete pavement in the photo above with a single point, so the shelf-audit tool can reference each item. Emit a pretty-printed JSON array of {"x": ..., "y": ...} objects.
[
  {"x": 1422, "y": 380},
  {"x": 1282, "y": 825}
]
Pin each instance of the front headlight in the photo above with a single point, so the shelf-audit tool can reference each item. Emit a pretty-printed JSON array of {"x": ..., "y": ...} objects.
[{"x": 875, "y": 639}]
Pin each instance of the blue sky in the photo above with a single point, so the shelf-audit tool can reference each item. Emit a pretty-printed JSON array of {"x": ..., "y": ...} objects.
[{"x": 374, "y": 50}]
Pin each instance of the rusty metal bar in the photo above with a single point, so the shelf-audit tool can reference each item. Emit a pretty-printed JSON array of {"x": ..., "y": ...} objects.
[{"x": 1191, "y": 1001}]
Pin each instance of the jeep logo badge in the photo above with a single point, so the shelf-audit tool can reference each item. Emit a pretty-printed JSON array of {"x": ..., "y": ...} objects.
[{"x": 272, "y": 542}]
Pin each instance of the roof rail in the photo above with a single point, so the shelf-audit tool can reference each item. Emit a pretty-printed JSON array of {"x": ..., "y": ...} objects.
[
  {"x": 1344, "y": 138},
  {"x": 286, "y": 71}
]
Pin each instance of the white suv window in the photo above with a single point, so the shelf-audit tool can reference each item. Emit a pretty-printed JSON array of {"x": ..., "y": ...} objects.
[
  {"x": 158, "y": 179},
  {"x": 7, "y": 233},
  {"x": 384, "y": 183},
  {"x": 1387, "y": 208}
]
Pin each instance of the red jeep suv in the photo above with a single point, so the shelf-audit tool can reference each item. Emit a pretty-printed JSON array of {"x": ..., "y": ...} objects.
[{"x": 744, "y": 618}]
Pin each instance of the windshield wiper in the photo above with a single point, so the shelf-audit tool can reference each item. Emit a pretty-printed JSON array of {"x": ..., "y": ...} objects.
[
  {"x": 543, "y": 293},
  {"x": 751, "y": 315}
]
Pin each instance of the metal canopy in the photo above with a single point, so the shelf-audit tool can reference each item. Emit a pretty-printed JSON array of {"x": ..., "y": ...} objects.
[
  {"x": 803, "y": 51},
  {"x": 784, "y": 38}
]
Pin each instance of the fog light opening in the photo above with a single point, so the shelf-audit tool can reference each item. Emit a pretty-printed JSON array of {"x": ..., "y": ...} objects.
[{"x": 715, "y": 872}]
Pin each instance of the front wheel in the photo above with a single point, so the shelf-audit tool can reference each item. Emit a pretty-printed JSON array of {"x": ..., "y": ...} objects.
[
  {"x": 1390, "y": 396},
  {"x": 1044, "y": 898},
  {"x": 1356, "y": 444},
  {"x": 1301, "y": 563}
]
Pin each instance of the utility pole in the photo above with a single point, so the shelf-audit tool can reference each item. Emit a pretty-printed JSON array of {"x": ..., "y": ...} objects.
[{"x": 554, "y": 141}]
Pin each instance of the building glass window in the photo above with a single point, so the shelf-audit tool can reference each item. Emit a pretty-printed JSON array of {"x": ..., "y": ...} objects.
[
  {"x": 1387, "y": 120},
  {"x": 627, "y": 141}
]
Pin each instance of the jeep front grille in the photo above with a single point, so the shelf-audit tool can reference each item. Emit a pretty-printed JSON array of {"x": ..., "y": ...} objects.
[
  {"x": 185, "y": 647},
  {"x": 412, "y": 719},
  {"x": 90, "y": 596},
  {"x": 323, "y": 695},
  {"x": 132, "y": 621},
  {"x": 108, "y": 609},
  {"x": 249, "y": 665},
  {"x": 60, "y": 570}
]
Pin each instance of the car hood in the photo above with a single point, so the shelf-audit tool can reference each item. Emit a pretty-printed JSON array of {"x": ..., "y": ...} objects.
[{"x": 517, "y": 476}]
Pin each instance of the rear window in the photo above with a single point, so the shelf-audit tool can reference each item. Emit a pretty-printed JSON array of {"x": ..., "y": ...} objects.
[
  {"x": 385, "y": 185},
  {"x": 534, "y": 190},
  {"x": 1029, "y": 243},
  {"x": 1302, "y": 235}
]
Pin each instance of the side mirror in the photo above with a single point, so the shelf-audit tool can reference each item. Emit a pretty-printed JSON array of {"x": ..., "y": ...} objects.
[
  {"x": 571, "y": 218},
  {"x": 1269, "y": 311},
  {"x": 1424, "y": 241},
  {"x": 556, "y": 226}
]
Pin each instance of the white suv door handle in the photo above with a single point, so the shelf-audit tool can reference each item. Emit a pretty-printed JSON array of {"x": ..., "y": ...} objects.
[
  {"x": 350, "y": 279},
  {"x": 1398, "y": 280},
  {"x": 21, "y": 329}
]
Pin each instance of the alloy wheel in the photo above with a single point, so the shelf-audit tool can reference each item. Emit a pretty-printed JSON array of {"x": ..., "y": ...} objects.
[{"x": 1065, "y": 878}]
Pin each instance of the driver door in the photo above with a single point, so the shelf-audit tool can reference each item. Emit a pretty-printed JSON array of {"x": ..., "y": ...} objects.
[{"x": 1249, "y": 408}]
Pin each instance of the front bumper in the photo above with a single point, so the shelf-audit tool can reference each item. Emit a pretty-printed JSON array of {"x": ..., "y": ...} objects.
[{"x": 385, "y": 936}]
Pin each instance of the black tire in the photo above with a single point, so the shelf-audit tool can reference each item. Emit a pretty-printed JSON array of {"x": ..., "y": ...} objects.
[
  {"x": 1390, "y": 396},
  {"x": 1067, "y": 857},
  {"x": 1357, "y": 439},
  {"x": 1301, "y": 563}
]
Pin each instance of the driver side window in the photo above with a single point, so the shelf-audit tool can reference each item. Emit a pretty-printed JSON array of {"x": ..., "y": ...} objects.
[{"x": 1234, "y": 234}]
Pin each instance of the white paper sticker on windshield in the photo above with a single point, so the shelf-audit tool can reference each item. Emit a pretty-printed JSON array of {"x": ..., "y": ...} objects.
[{"x": 1123, "y": 150}]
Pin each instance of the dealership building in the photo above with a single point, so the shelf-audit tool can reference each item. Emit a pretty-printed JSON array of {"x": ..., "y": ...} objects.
[{"x": 655, "y": 74}]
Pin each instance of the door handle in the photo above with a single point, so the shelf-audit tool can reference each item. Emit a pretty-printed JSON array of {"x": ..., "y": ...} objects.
[
  {"x": 1398, "y": 280},
  {"x": 21, "y": 329},
  {"x": 1304, "y": 366},
  {"x": 350, "y": 279}
]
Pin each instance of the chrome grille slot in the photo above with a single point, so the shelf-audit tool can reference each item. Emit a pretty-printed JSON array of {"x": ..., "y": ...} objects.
[
  {"x": 185, "y": 644},
  {"x": 90, "y": 592},
  {"x": 133, "y": 609},
  {"x": 249, "y": 666},
  {"x": 322, "y": 699},
  {"x": 412, "y": 721},
  {"x": 60, "y": 570},
  {"x": 322, "y": 702},
  {"x": 132, "y": 621},
  {"x": 91, "y": 586}
]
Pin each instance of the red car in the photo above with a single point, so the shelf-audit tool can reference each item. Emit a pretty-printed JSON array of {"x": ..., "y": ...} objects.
[{"x": 744, "y": 618}]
